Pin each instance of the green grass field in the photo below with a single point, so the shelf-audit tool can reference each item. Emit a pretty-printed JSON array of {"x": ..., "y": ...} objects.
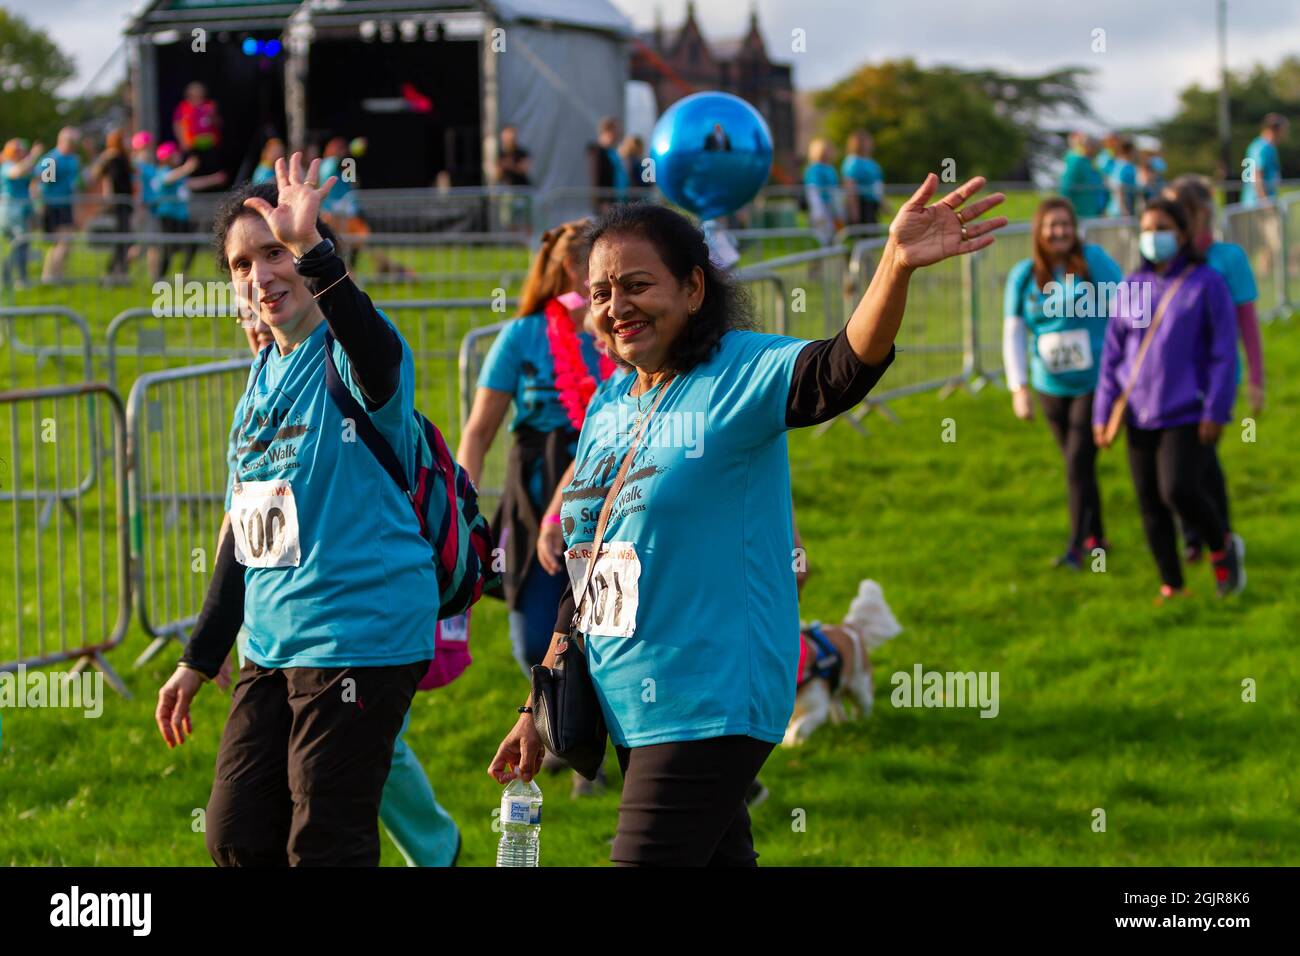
[{"x": 1106, "y": 702}]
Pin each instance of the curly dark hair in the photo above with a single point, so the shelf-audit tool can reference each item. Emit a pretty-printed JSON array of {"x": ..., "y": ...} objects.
[
  {"x": 232, "y": 207},
  {"x": 681, "y": 247}
]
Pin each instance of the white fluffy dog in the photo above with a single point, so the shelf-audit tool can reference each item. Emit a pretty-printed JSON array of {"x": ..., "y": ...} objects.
[{"x": 868, "y": 624}]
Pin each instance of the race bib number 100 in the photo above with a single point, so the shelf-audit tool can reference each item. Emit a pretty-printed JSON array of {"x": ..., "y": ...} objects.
[
  {"x": 264, "y": 519},
  {"x": 610, "y": 608}
]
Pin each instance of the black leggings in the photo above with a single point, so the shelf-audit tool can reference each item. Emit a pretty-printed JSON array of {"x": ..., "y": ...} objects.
[
  {"x": 684, "y": 802},
  {"x": 1070, "y": 419},
  {"x": 1168, "y": 467},
  {"x": 1217, "y": 486}
]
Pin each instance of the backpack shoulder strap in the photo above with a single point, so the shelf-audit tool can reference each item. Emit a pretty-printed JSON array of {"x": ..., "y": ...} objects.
[{"x": 350, "y": 408}]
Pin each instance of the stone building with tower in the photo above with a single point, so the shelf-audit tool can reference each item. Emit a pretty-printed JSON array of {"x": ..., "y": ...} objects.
[{"x": 681, "y": 61}]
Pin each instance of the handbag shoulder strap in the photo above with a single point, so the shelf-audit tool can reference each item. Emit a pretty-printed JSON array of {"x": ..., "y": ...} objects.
[
  {"x": 605, "y": 509},
  {"x": 1151, "y": 332}
]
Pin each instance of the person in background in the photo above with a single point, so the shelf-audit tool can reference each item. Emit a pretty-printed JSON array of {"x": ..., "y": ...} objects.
[
  {"x": 1151, "y": 168},
  {"x": 605, "y": 169},
  {"x": 144, "y": 170},
  {"x": 1123, "y": 180},
  {"x": 173, "y": 182},
  {"x": 513, "y": 161},
  {"x": 548, "y": 366},
  {"x": 1176, "y": 405},
  {"x": 822, "y": 190},
  {"x": 1081, "y": 181},
  {"x": 1064, "y": 343},
  {"x": 113, "y": 170},
  {"x": 1106, "y": 155},
  {"x": 265, "y": 170},
  {"x": 1196, "y": 196},
  {"x": 196, "y": 123},
  {"x": 864, "y": 181},
  {"x": 632, "y": 151},
  {"x": 16, "y": 166},
  {"x": 1262, "y": 169},
  {"x": 59, "y": 174}
]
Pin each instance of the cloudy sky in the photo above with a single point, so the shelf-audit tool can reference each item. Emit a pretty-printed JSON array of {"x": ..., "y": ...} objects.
[{"x": 1153, "y": 47}]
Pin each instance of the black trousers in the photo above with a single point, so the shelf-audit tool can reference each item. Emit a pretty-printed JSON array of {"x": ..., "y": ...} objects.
[
  {"x": 1168, "y": 467},
  {"x": 180, "y": 227},
  {"x": 1217, "y": 486},
  {"x": 684, "y": 803},
  {"x": 302, "y": 764},
  {"x": 1070, "y": 419}
]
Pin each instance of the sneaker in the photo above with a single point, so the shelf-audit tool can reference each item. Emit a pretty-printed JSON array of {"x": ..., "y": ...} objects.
[
  {"x": 1072, "y": 559},
  {"x": 756, "y": 794},
  {"x": 582, "y": 787},
  {"x": 1230, "y": 567},
  {"x": 1168, "y": 594}
]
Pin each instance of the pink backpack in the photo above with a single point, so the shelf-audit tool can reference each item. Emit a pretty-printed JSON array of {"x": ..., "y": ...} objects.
[{"x": 450, "y": 652}]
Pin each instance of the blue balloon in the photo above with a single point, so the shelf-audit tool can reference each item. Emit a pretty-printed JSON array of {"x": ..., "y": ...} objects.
[{"x": 712, "y": 153}]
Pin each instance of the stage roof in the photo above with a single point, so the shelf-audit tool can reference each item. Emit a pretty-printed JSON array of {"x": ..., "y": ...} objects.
[{"x": 262, "y": 14}]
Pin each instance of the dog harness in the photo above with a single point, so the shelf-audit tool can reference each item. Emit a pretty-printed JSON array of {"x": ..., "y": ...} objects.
[{"x": 826, "y": 664}]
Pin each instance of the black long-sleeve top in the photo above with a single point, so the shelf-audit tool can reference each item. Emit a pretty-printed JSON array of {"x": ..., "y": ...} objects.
[
  {"x": 374, "y": 351},
  {"x": 828, "y": 379}
]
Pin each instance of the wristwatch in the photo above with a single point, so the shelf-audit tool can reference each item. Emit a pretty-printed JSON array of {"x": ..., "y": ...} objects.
[{"x": 322, "y": 250}]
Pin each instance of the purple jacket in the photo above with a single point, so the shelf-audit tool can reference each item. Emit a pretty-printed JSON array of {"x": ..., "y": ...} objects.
[{"x": 1190, "y": 372}]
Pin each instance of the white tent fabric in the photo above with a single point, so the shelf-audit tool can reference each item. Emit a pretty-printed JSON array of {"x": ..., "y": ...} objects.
[
  {"x": 595, "y": 14},
  {"x": 554, "y": 85}
]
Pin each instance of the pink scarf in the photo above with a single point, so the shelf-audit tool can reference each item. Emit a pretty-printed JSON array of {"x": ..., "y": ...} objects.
[{"x": 572, "y": 380}]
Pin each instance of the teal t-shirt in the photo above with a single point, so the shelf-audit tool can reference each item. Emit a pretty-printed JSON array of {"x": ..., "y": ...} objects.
[
  {"x": 1267, "y": 167},
  {"x": 867, "y": 174},
  {"x": 696, "y": 634},
  {"x": 825, "y": 179},
  {"x": 266, "y": 174},
  {"x": 1230, "y": 261},
  {"x": 1082, "y": 184},
  {"x": 520, "y": 362},
  {"x": 337, "y": 201},
  {"x": 171, "y": 200},
  {"x": 15, "y": 202},
  {"x": 1064, "y": 350},
  {"x": 364, "y": 592},
  {"x": 58, "y": 189},
  {"x": 1124, "y": 174}
]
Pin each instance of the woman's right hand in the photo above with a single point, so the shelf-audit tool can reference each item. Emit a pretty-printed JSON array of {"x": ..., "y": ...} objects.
[
  {"x": 550, "y": 547},
  {"x": 1099, "y": 436},
  {"x": 1022, "y": 404},
  {"x": 520, "y": 754},
  {"x": 173, "y": 711}
]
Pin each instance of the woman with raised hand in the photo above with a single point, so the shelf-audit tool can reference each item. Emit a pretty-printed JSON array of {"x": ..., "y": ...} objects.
[
  {"x": 325, "y": 564},
  {"x": 693, "y": 635},
  {"x": 1063, "y": 340},
  {"x": 1168, "y": 374}
]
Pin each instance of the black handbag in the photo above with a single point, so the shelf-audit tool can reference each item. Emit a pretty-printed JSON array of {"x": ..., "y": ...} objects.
[{"x": 566, "y": 711}]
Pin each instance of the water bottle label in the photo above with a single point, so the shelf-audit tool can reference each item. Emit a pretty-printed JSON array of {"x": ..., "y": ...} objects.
[{"x": 520, "y": 810}]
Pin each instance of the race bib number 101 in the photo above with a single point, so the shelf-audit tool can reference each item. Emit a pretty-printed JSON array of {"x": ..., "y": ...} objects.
[
  {"x": 611, "y": 605},
  {"x": 264, "y": 519}
]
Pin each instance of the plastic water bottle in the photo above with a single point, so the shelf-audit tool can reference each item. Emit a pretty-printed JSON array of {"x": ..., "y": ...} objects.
[{"x": 521, "y": 824}]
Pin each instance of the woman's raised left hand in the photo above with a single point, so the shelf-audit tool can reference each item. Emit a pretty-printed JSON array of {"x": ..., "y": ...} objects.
[
  {"x": 293, "y": 219},
  {"x": 923, "y": 235}
]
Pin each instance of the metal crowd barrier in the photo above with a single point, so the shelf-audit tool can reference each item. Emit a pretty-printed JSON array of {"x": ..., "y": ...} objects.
[
  {"x": 34, "y": 340},
  {"x": 1261, "y": 231},
  {"x": 68, "y": 578},
  {"x": 473, "y": 351},
  {"x": 1118, "y": 236},
  {"x": 178, "y": 431}
]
